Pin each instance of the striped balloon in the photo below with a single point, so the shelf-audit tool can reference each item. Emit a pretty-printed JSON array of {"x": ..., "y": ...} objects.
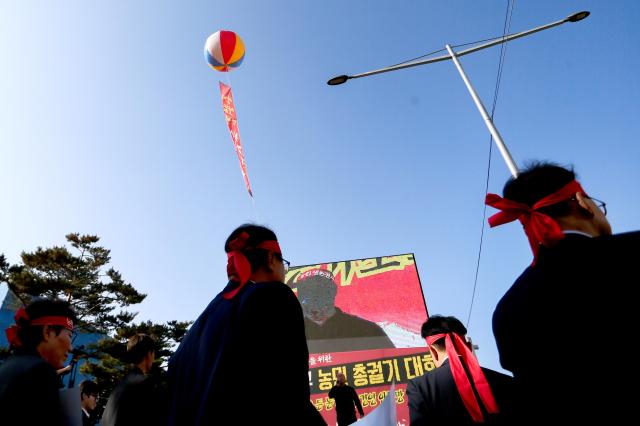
[{"x": 224, "y": 50}]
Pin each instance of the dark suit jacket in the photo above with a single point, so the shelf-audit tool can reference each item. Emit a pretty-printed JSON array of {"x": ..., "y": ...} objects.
[
  {"x": 345, "y": 332},
  {"x": 87, "y": 420},
  {"x": 137, "y": 400},
  {"x": 434, "y": 398},
  {"x": 241, "y": 354},
  {"x": 564, "y": 330},
  {"x": 346, "y": 398},
  {"x": 29, "y": 391}
]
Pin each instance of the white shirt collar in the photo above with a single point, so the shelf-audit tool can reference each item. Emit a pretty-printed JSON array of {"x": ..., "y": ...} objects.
[{"x": 573, "y": 231}]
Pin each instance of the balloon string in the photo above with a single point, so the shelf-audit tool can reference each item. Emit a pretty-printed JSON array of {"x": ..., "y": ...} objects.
[{"x": 256, "y": 213}]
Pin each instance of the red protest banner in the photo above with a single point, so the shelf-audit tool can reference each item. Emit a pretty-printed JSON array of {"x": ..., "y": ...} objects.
[{"x": 232, "y": 122}]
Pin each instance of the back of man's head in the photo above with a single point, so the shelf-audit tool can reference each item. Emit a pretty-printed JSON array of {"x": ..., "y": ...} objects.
[
  {"x": 535, "y": 182},
  {"x": 256, "y": 234},
  {"x": 139, "y": 346},
  {"x": 438, "y": 324}
]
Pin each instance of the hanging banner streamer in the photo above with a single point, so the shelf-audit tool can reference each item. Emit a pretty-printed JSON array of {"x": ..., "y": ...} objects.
[{"x": 232, "y": 123}]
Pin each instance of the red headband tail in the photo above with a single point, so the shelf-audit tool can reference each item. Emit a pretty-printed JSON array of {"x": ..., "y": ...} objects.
[
  {"x": 12, "y": 336},
  {"x": 540, "y": 228},
  {"x": 457, "y": 349}
]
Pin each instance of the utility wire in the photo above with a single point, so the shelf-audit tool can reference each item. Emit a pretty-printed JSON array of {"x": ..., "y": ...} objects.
[
  {"x": 453, "y": 45},
  {"x": 503, "y": 52}
]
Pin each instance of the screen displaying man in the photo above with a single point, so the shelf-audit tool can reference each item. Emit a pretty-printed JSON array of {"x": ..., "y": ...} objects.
[{"x": 327, "y": 327}]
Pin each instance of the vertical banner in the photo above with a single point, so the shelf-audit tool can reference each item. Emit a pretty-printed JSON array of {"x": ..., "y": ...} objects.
[
  {"x": 363, "y": 319},
  {"x": 232, "y": 122}
]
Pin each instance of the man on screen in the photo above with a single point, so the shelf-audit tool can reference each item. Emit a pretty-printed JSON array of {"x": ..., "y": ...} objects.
[{"x": 327, "y": 327}]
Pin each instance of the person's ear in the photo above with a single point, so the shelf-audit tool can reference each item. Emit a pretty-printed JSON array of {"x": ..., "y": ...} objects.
[
  {"x": 47, "y": 333},
  {"x": 272, "y": 261},
  {"x": 585, "y": 204},
  {"x": 434, "y": 354}
]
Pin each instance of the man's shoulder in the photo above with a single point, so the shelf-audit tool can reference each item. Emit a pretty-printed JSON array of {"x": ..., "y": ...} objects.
[
  {"x": 270, "y": 287},
  {"x": 578, "y": 246},
  {"x": 624, "y": 236},
  {"x": 23, "y": 365},
  {"x": 270, "y": 290},
  {"x": 414, "y": 384},
  {"x": 271, "y": 296},
  {"x": 355, "y": 321},
  {"x": 428, "y": 378},
  {"x": 132, "y": 381},
  {"x": 20, "y": 375},
  {"x": 623, "y": 241}
]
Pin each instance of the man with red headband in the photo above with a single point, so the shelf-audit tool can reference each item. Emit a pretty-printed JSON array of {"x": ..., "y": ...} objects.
[
  {"x": 29, "y": 386},
  {"x": 245, "y": 360},
  {"x": 458, "y": 391},
  {"x": 573, "y": 301}
]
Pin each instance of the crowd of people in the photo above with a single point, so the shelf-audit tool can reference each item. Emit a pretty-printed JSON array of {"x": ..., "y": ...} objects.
[{"x": 564, "y": 330}]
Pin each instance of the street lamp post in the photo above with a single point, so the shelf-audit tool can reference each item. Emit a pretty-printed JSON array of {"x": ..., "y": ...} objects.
[
  {"x": 579, "y": 16},
  {"x": 506, "y": 155}
]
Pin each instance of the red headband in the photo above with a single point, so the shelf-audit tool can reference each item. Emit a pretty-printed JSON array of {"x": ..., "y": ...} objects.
[
  {"x": 540, "y": 228},
  {"x": 65, "y": 322},
  {"x": 238, "y": 266},
  {"x": 453, "y": 341},
  {"x": 21, "y": 314}
]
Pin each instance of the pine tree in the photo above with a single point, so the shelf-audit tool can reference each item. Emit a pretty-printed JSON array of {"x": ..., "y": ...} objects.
[{"x": 99, "y": 296}]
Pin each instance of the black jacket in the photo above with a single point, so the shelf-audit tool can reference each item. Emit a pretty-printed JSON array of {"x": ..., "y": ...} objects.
[
  {"x": 345, "y": 332},
  {"x": 138, "y": 400},
  {"x": 29, "y": 391},
  {"x": 565, "y": 328},
  {"x": 434, "y": 398},
  {"x": 346, "y": 402},
  {"x": 244, "y": 361}
]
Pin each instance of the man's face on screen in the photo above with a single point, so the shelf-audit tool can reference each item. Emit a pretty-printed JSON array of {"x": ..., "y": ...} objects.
[{"x": 317, "y": 296}]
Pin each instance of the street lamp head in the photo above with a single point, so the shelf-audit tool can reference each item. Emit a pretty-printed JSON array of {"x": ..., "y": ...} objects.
[
  {"x": 338, "y": 80},
  {"x": 578, "y": 16}
]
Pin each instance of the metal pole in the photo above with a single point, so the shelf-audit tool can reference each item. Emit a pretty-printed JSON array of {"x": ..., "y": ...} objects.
[{"x": 487, "y": 120}]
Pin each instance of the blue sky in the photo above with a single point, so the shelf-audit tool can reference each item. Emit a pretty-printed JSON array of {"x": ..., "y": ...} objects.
[{"x": 111, "y": 124}]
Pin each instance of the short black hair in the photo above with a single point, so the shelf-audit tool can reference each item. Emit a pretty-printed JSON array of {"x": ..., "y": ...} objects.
[
  {"x": 257, "y": 234},
  {"x": 438, "y": 324},
  {"x": 139, "y": 346},
  {"x": 538, "y": 180},
  {"x": 31, "y": 335},
  {"x": 88, "y": 387}
]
